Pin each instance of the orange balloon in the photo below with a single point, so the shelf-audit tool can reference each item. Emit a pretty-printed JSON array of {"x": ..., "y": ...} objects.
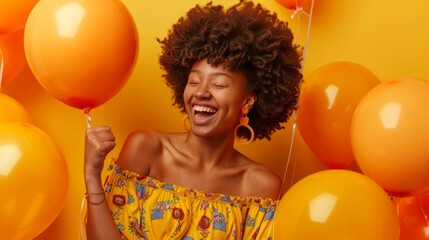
[
  {"x": 291, "y": 4},
  {"x": 12, "y": 110},
  {"x": 390, "y": 136},
  {"x": 14, "y": 14},
  {"x": 336, "y": 204},
  {"x": 413, "y": 217},
  {"x": 12, "y": 55},
  {"x": 423, "y": 201},
  {"x": 33, "y": 180},
  {"x": 81, "y": 51},
  {"x": 328, "y": 99}
]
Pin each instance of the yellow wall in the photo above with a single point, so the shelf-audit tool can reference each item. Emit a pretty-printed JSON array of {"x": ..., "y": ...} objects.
[{"x": 387, "y": 37}]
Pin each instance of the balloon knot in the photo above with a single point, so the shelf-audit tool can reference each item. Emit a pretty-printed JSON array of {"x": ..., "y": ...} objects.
[
  {"x": 86, "y": 110},
  {"x": 297, "y": 10}
]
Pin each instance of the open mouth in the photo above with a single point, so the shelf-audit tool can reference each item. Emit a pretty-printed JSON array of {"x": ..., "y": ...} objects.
[{"x": 203, "y": 112}]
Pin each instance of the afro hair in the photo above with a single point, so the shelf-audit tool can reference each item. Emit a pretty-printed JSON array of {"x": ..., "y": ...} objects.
[{"x": 245, "y": 37}]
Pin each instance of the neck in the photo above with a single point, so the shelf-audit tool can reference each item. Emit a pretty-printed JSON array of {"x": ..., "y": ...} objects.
[{"x": 211, "y": 152}]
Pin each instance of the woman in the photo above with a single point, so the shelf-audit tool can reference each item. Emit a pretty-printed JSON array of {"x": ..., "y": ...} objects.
[{"x": 236, "y": 74}]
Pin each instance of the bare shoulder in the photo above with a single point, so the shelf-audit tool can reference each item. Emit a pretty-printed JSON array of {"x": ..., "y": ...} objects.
[
  {"x": 260, "y": 181},
  {"x": 140, "y": 147}
]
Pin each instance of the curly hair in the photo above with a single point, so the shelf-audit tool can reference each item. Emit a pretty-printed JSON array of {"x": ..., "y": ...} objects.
[{"x": 246, "y": 37}]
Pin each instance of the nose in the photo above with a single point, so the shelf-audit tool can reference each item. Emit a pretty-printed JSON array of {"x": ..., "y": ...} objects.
[{"x": 203, "y": 92}]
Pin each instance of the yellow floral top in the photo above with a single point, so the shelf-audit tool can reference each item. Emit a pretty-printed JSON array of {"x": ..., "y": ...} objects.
[{"x": 145, "y": 208}]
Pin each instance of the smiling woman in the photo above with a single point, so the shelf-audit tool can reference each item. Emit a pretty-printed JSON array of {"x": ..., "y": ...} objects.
[{"x": 235, "y": 73}]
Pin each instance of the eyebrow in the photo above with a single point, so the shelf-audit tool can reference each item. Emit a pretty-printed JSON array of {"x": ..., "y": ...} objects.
[{"x": 212, "y": 74}]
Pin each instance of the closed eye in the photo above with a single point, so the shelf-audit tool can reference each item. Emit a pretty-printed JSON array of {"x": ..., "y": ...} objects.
[
  {"x": 192, "y": 82},
  {"x": 220, "y": 85},
  {"x": 220, "y": 82}
]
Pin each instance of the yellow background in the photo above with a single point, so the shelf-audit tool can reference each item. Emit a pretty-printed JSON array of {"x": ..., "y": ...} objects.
[{"x": 388, "y": 37}]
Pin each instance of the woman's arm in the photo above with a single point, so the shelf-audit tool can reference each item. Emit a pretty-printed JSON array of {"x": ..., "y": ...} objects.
[{"x": 99, "y": 141}]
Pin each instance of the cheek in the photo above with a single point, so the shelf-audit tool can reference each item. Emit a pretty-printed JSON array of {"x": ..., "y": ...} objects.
[
  {"x": 186, "y": 95},
  {"x": 232, "y": 99},
  {"x": 231, "y": 105}
]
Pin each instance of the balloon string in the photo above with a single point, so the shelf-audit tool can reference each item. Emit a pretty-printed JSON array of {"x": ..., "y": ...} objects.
[
  {"x": 296, "y": 113},
  {"x": 424, "y": 214},
  {"x": 1, "y": 67},
  {"x": 88, "y": 117},
  {"x": 298, "y": 10},
  {"x": 83, "y": 219},
  {"x": 83, "y": 216},
  {"x": 293, "y": 170}
]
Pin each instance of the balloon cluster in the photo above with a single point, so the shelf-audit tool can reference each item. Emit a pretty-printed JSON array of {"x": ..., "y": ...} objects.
[
  {"x": 347, "y": 115},
  {"x": 335, "y": 203},
  {"x": 33, "y": 171},
  {"x": 82, "y": 52},
  {"x": 33, "y": 174}
]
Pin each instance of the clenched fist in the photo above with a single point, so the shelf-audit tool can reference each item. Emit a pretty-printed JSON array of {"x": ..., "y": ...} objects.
[{"x": 99, "y": 141}]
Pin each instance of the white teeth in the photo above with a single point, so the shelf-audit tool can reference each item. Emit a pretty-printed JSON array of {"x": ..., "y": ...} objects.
[{"x": 204, "y": 109}]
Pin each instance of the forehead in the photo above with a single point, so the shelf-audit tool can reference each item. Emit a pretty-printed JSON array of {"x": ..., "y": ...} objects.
[{"x": 203, "y": 67}]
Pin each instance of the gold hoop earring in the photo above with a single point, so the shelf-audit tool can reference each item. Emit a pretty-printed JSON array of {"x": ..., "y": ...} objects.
[
  {"x": 244, "y": 122},
  {"x": 186, "y": 123}
]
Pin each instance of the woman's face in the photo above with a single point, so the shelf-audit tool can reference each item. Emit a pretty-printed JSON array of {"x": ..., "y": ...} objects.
[{"x": 214, "y": 97}]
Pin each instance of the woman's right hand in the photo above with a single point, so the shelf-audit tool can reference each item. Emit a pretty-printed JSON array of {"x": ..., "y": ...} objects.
[{"x": 99, "y": 141}]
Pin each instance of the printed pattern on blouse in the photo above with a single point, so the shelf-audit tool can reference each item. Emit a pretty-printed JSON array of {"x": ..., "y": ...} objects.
[{"x": 145, "y": 208}]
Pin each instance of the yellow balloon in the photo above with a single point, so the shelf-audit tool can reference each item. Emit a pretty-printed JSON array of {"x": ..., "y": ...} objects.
[
  {"x": 33, "y": 180},
  {"x": 335, "y": 205},
  {"x": 12, "y": 110}
]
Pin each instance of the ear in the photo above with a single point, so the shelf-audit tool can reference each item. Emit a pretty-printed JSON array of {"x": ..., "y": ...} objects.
[{"x": 250, "y": 100}]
